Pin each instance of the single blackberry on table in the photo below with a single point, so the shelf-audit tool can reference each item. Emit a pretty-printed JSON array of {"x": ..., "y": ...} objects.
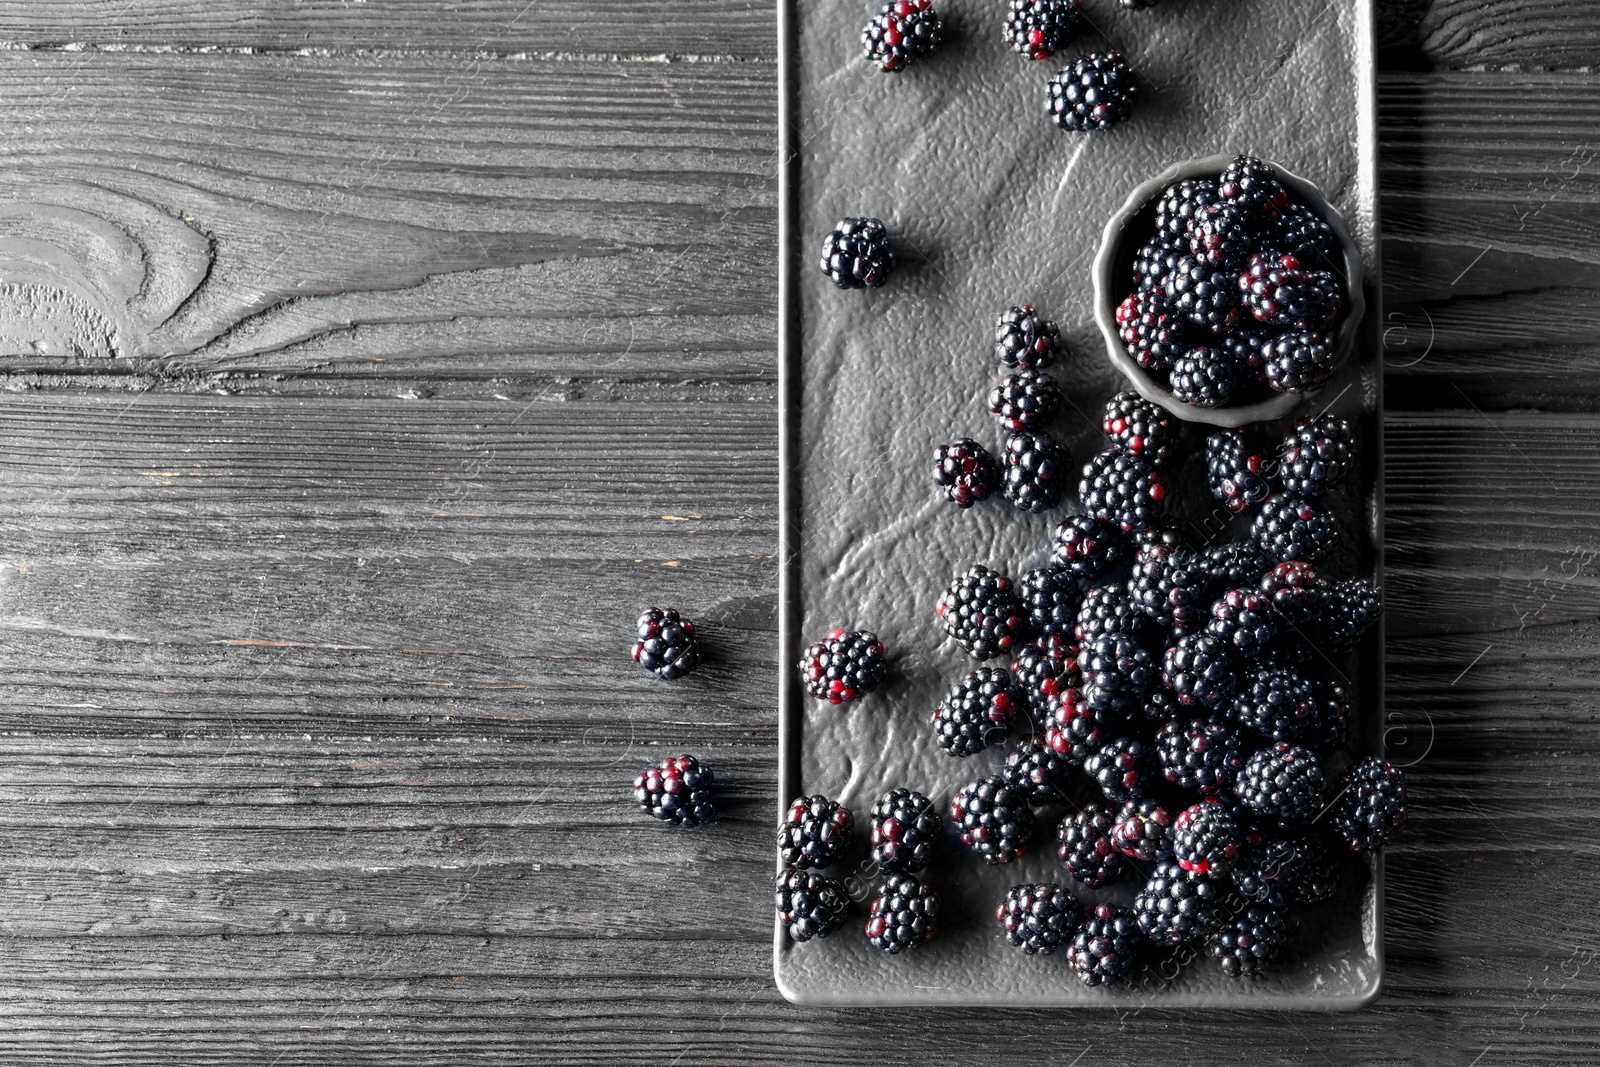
[
  {"x": 902, "y": 32},
  {"x": 1206, "y": 378},
  {"x": 1236, "y": 563},
  {"x": 1247, "y": 345},
  {"x": 1051, "y": 596},
  {"x": 1038, "y": 28},
  {"x": 1276, "y": 290},
  {"x": 1142, "y": 831},
  {"x": 993, "y": 818},
  {"x": 1279, "y": 704},
  {"x": 1221, "y": 237},
  {"x": 903, "y": 915},
  {"x": 810, "y": 905},
  {"x": 1315, "y": 456},
  {"x": 844, "y": 666},
  {"x": 1118, "y": 673},
  {"x": 981, "y": 611},
  {"x": 1297, "y": 361},
  {"x": 1087, "y": 547},
  {"x": 666, "y": 646},
  {"x": 1253, "y": 187},
  {"x": 1206, "y": 296},
  {"x": 1093, "y": 92},
  {"x": 1239, "y": 469},
  {"x": 1282, "y": 784},
  {"x": 1023, "y": 339},
  {"x": 1140, "y": 427},
  {"x": 1038, "y": 918},
  {"x": 1296, "y": 592},
  {"x": 1200, "y": 670},
  {"x": 1251, "y": 939},
  {"x": 1292, "y": 528},
  {"x": 1242, "y": 620},
  {"x": 815, "y": 832},
  {"x": 905, "y": 830},
  {"x": 1350, "y": 608},
  {"x": 1300, "y": 232},
  {"x": 977, "y": 711},
  {"x": 1076, "y": 730},
  {"x": 1180, "y": 203},
  {"x": 1175, "y": 906},
  {"x": 1371, "y": 805},
  {"x": 1083, "y": 843},
  {"x": 1045, "y": 668},
  {"x": 1153, "y": 264},
  {"x": 1122, "y": 487},
  {"x": 965, "y": 471},
  {"x": 1106, "y": 947},
  {"x": 1107, "y": 609},
  {"x": 857, "y": 254},
  {"x": 1036, "y": 471},
  {"x": 1035, "y": 768},
  {"x": 1122, "y": 768},
  {"x": 1271, "y": 867},
  {"x": 677, "y": 791},
  {"x": 1206, "y": 839},
  {"x": 1026, "y": 400},
  {"x": 1200, "y": 755}
]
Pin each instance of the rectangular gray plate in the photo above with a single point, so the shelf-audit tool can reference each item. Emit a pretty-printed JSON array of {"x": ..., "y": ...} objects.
[{"x": 995, "y": 206}]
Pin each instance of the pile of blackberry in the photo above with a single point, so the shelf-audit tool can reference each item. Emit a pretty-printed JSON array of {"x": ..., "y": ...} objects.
[{"x": 1235, "y": 295}]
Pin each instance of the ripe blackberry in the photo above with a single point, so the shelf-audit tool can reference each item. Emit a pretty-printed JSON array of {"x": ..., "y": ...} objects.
[
  {"x": 982, "y": 613},
  {"x": 1279, "y": 704},
  {"x": 1200, "y": 670},
  {"x": 1045, "y": 668},
  {"x": 677, "y": 791},
  {"x": 1200, "y": 755},
  {"x": 1335, "y": 722},
  {"x": 1121, "y": 487},
  {"x": 1051, "y": 596},
  {"x": 1220, "y": 236},
  {"x": 1140, "y": 427},
  {"x": 1180, "y": 204},
  {"x": 1279, "y": 292},
  {"x": 1271, "y": 867},
  {"x": 977, "y": 711},
  {"x": 1297, "y": 361},
  {"x": 1320, "y": 876},
  {"x": 1160, "y": 708},
  {"x": 1083, "y": 843},
  {"x": 1172, "y": 586},
  {"x": 666, "y": 646},
  {"x": 1247, "y": 345},
  {"x": 1350, "y": 608},
  {"x": 1282, "y": 783},
  {"x": 1154, "y": 262},
  {"x": 1175, "y": 906},
  {"x": 1038, "y": 28},
  {"x": 1106, "y": 609},
  {"x": 810, "y": 905},
  {"x": 1239, "y": 469},
  {"x": 1023, "y": 339},
  {"x": 815, "y": 833},
  {"x": 1036, "y": 471},
  {"x": 1076, "y": 730},
  {"x": 902, "y": 32},
  {"x": 1087, "y": 547},
  {"x": 1093, "y": 92},
  {"x": 1026, "y": 400},
  {"x": 844, "y": 666},
  {"x": 1206, "y": 378},
  {"x": 1235, "y": 563},
  {"x": 1251, "y": 939},
  {"x": 1206, "y": 296},
  {"x": 1118, "y": 673},
  {"x": 1371, "y": 805},
  {"x": 1253, "y": 187},
  {"x": 1038, "y": 918},
  {"x": 1142, "y": 831},
  {"x": 1242, "y": 620},
  {"x": 1300, "y": 232},
  {"x": 993, "y": 818},
  {"x": 965, "y": 471},
  {"x": 1036, "y": 769},
  {"x": 1122, "y": 768},
  {"x": 1315, "y": 456},
  {"x": 1106, "y": 947},
  {"x": 1291, "y": 527},
  {"x": 1297, "y": 594},
  {"x": 905, "y": 830},
  {"x": 857, "y": 255},
  {"x": 904, "y": 914},
  {"x": 1206, "y": 839}
]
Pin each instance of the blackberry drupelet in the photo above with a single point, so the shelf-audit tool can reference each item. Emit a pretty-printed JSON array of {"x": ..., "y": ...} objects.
[
  {"x": 1206, "y": 296},
  {"x": 677, "y": 791},
  {"x": 1276, "y": 290},
  {"x": 665, "y": 646},
  {"x": 1221, "y": 237},
  {"x": 1236, "y": 563},
  {"x": 1122, "y": 768},
  {"x": 904, "y": 914},
  {"x": 857, "y": 254},
  {"x": 1036, "y": 471},
  {"x": 1036, "y": 769},
  {"x": 1140, "y": 427},
  {"x": 993, "y": 818},
  {"x": 1051, "y": 596},
  {"x": 1093, "y": 92},
  {"x": 1292, "y": 528},
  {"x": 1351, "y": 607},
  {"x": 1282, "y": 784},
  {"x": 1206, "y": 839},
  {"x": 902, "y": 32},
  {"x": 1297, "y": 361},
  {"x": 1076, "y": 730},
  {"x": 1200, "y": 670},
  {"x": 977, "y": 711},
  {"x": 1251, "y": 939},
  {"x": 1207, "y": 378},
  {"x": 1087, "y": 547},
  {"x": 1045, "y": 668},
  {"x": 1106, "y": 947},
  {"x": 1301, "y": 233},
  {"x": 810, "y": 905},
  {"x": 965, "y": 471},
  {"x": 1175, "y": 906},
  {"x": 1023, "y": 339},
  {"x": 1121, "y": 487},
  {"x": 1083, "y": 844},
  {"x": 1142, "y": 831},
  {"x": 905, "y": 830},
  {"x": 844, "y": 666},
  {"x": 1179, "y": 204},
  {"x": 1372, "y": 804},
  {"x": 1279, "y": 704},
  {"x": 1315, "y": 456},
  {"x": 1296, "y": 592},
  {"x": 1242, "y": 620},
  {"x": 1038, "y": 918},
  {"x": 816, "y": 832},
  {"x": 981, "y": 611},
  {"x": 1026, "y": 400},
  {"x": 1038, "y": 28},
  {"x": 1239, "y": 469},
  {"x": 1200, "y": 755},
  {"x": 1253, "y": 187},
  {"x": 1118, "y": 674}
]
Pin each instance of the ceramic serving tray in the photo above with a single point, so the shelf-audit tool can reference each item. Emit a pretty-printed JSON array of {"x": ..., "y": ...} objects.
[{"x": 993, "y": 206}]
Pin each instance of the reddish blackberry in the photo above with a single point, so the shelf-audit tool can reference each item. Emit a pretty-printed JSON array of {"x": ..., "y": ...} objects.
[
  {"x": 1023, "y": 339},
  {"x": 1083, "y": 843},
  {"x": 810, "y": 905},
  {"x": 1219, "y": 236},
  {"x": 1351, "y": 607},
  {"x": 815, "y": 833},
  {"x": 1279, "y": 704},
  {"x": 1242, "y": 620},
  {"x": 1301, "y": 233},
  {"x": 1315, "y": 456},
  {"x": 1175, "y": 906},
  {"x": 1235, "y": 563},
  {"x": 1172, "y": 586},
  {"x": 1239, "y": 469},
  {"x": 1106, "y": 947},
  {"x": 1199, "y": 669},
  {"x": 905, "y": 830},
  {"x": 1251, "y": 939},
  {"x": 1044, "y": 669},
  {"x": 677, "y": 791},
  {"x": 977, "y": 711},
  {"x": 1272, "y": 867},
  {"x": 1038, "y": 918},
  {"x": 965, "y": 471},
  {"x": 1201, "y": 755},
  {"x": 1279, "y": 292},
  {"x": 1051, "y": 596},
  {"x": 1038, "y": 28},
  {"x": 1107, "y": 609},
  {"x": 1026, "y": 400},
  {"x": 981, "y": 611},
  {"x": 1122, "y": 768},
  {"x": 1371, "y": 805},
  {"x": 1282, "y": 784},
  {"x": 902, "y": 32},
  {"x": 844, "y": 666},
  {"x": 857, "y": 255},
  {"x": 1036, "y": 769},
  {"x": 1253, "y": 187},
  {"x": 1206, "y": 378},
  {"x": 1151, "y": 331},
  {"x": 1204, "y": 295},
  {"x": 1077, "y": 731},
  {"x": 1206, "y": 839},
  {"x": 993, "y": 818},
  {"x": 904, "y": 914},
  {"x": 1297, "y": 594},
  {"x": 1036, "y": 471},
  {"x": 1093, "y": 92},
  {"x": 1297, "y": 361},
  {"x": 1142, "y": 830},
  {"x": 1087, "y": 547},
  {"x": 666, "y": 646},
  {"x": 1118, "y": 673},
  {"x": 1180, "y": 204},
  {"x": 1291, "y": 527},
  {"x": 1121, "y": 487},
  {"x": 1140, "y": 427}
]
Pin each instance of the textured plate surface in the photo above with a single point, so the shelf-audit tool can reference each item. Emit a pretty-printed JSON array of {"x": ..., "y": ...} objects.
[{"x": 995, "y": 206}]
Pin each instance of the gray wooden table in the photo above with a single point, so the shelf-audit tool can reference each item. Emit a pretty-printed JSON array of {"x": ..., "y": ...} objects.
[{"x": 368, "y": 365}]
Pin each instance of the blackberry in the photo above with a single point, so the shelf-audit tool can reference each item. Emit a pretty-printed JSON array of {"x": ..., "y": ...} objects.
[
  {"x": 1121, "y": 487},
  {"x": 1106, "y": 947},
  {"x": 1172, "y": 586},
  {"x": 1205, "y": 295},
  {"x": 857, "y": 255},
  {"x": 1023, "y": 339},
  {"x": 977, "y": 711},
  {"x": 1026, "y": 400},
  {"x": 1206, "y": 839},
  {"x": 905, "y": 830},
  {"x": 1038, "y": 28},
  {"x": 1220, "y": 236},
  {"x": 1077, "y": 731},
  {"x": 1036, "y": 471},
  {"x": 993, "y": 818},
  {"x": 1272, "y": 867},
  {"x": 1140, "y": 427},
  {"x": 1093, "y": 92},
  {"x": 1371, "y": 805},
  {"x": 1246, "y": 344},
  {"x": 904, "y": 914},
  {"x": 815, "y": 833},
  {"x": 1106, "y": 609},
  {"x": 1051, "y": 596},
  {"x": 1175, "y": 906},
  {"x": 982, "y": 613},
  {"x": 1154, "y": 262},
  {"x": 1282, "y": 784},
  {"x": 844, "y": 666},
  {"x": 1253, "y": 187},
  {"x": 1118, "y": 673},
  {"x": 902, "y": 32},
  {"x": 666, "y": 646},
  {"x": 1087, "y": 547},
  {"x": 1279, "y": 704},
  {"x": 1083, "y": 843},
  {"x": 1235, "y": 563},
  {"x": 677, "y": 791},
  {"x": 1200, "y": 755},
  {"x": 810, "y": 905},
  {"x": 1036, "y": 769},
  {"x": 1038, "y": 918},
  {"x": 965, "y": 471},
  {"x": 1320, "y": 877},
  {"x": 1142, "y": 831},
  {"x": 1122, "y": 768},
  {"x": 1044, "y": 669},
  {"x": 1160, "y": 708},
  {"x": 1297, "y": 361},
  {"x": 1335, "y": 723},
  {"x": 1292, "y": 528},
  {"x": 1248, "y": 941},
  {"x": 1350, "y": 608},
  {"x": 1301, "y": 233},
  {"x": 1242, "y": 620},
  {"x": 1180, "y": 204},
  {"x": 1239, "y": 469},
  {"x": 1279, "y": 292},
  {"x": 1199, "y": 669},
  {"x": 1315, "y": 456},
  {"x": 1297, "y": 594},
  {"x": 1206, "y": 378}
]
